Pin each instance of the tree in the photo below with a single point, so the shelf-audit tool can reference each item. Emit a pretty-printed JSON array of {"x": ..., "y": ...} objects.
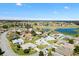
[
  {"x": 41, "y": 53},
  {"x": 27, "y": 50},
  {"x": 1, "y": 52},
  {"x": 17, "y": 32},
  {"x": 76, "y": 50},
  {"x": 77, "y": 35},
  {"x": 28, "y": 26},
  {"x": 71, "y": 41},
  {"x": 49, "y": 53},
  {"x": 53, "y": 49},
  {"x": 18, "y": 47},
  {"x": 5, "y": 26},
  {"x": 35, "y": 23},
  {"x": 15, "y": 37},
  {"x": 33, "y": 33}
]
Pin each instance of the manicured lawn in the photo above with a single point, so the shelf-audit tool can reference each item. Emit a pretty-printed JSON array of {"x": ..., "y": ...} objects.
[
  {"x": 21, "y": 51},
  {"x": 33, "y": 40},
  {"x": 51, "y": 41},
  {"x": 14, "y": 48},
  {"x": 41, "y": 46}
]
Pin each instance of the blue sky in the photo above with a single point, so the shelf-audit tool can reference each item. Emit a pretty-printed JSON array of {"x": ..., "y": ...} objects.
[{"x": 40, "y": 10}]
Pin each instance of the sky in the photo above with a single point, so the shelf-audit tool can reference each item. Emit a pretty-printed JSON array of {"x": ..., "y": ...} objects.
[{"x": 49, "y": 11}]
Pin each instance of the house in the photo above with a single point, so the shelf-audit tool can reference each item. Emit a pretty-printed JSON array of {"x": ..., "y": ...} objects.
[
  {"x": 28, "y": 45},
  {"x": 30, "y": 29},
  {"x": 18, "y": 41},
  {"x": 41, "y": 42},
  {"x": 38, "y": 33},
  {"x": 28, "y": 36},
  {"x": 66, "y": 49},
  {"x": 49, "y": 38}
]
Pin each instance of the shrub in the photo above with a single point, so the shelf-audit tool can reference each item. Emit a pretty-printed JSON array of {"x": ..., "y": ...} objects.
[
  {"x": 49, "y": 53},
  {"x": 1, "y": 52},
  {"x": 71, "y": 41},
  {"x": 5, "y": 26},
  {"x": 53, "y": 49},
  {"x": 76, "y": 50},
  {"x": 41, "y": 53},
  {"x": 26, "y": 50}
]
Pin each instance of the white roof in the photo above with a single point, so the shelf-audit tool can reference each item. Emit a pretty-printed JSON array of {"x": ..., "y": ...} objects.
[
  {"x": 27, "y": 45},
  {"x": 38, "y": 33},
  {"x": 19, "y": 41},
  {"x": 41, "y": 41},
  {"x": 49, "y": 38}
]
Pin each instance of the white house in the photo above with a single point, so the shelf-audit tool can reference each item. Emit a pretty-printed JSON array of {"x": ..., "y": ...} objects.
[
  {"x": 38, "y": 33},
  {"x": 49, "y": 38},
  {"x": 41, "y": 41},
  {"x": 18, "y": 41}
]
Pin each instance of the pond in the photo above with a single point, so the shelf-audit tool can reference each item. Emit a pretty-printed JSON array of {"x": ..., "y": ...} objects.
[{"x": 70, "y": 31}]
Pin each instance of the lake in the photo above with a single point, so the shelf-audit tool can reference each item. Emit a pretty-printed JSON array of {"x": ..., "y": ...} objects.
[{"x": 70, "y": 31}]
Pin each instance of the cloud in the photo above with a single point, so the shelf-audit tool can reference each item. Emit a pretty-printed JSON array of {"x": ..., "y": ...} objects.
[
  {"x": 18, "y": 4},
  {"x": 66, "y": 7}
]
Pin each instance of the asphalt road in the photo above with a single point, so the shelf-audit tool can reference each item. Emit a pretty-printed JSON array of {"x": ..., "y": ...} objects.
[{"x": 5, "y": 46}]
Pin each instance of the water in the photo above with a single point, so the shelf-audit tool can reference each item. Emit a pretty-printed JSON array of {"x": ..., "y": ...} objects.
[{"x": 68, "y": 30}]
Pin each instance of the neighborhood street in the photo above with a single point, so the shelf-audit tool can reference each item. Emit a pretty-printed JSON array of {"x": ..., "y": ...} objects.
[{"x": 5, "y": 45}]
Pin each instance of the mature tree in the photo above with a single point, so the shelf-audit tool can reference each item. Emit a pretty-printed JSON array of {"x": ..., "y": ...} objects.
[
  {"x": 71, "y": 41},
  {"x": 35, "y": 23},
  {"x": 5, "y": 26},
  {"x": 49, "y": 53},
  {"x": 17, "y": 32},
  {"x": 27, "y": 50},
  {"x": 28, "y": 26},
  {"x": 41, "y": 53},
  {"x": 15, "y": 37},
  {"x": 33, "y": 33},
  {"x": 18, "y": 46},
  {"x": 76, "y": 50},
  {"x": 53, "y": 49},
  {"x": 77, "y": 35},
  {"x": 1, "y": 52}
]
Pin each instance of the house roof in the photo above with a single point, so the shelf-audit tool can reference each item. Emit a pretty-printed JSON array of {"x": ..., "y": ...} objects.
[
  {"x": 27, "y": 45},
  {"x": 18, "y": 41}
]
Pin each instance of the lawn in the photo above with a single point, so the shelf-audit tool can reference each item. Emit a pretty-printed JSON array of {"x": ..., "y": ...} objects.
[
  {"x": 20, "y": 51},
  {"x": 42, "y": 46},
  {"x": 52, "y": 41},
  {"x": 33, "y": 40}
]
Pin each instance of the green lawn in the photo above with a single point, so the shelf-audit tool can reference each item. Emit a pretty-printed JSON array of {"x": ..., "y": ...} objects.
[
  {"x": 21, "y": 51},
  {"x": 33, "y": 40},
  {"x": 52, "y": 41},
  {"x": 41, "y": 46}
]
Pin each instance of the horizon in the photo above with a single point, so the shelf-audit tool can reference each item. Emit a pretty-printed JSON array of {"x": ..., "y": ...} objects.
[{"x": 39, "y": 11}]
